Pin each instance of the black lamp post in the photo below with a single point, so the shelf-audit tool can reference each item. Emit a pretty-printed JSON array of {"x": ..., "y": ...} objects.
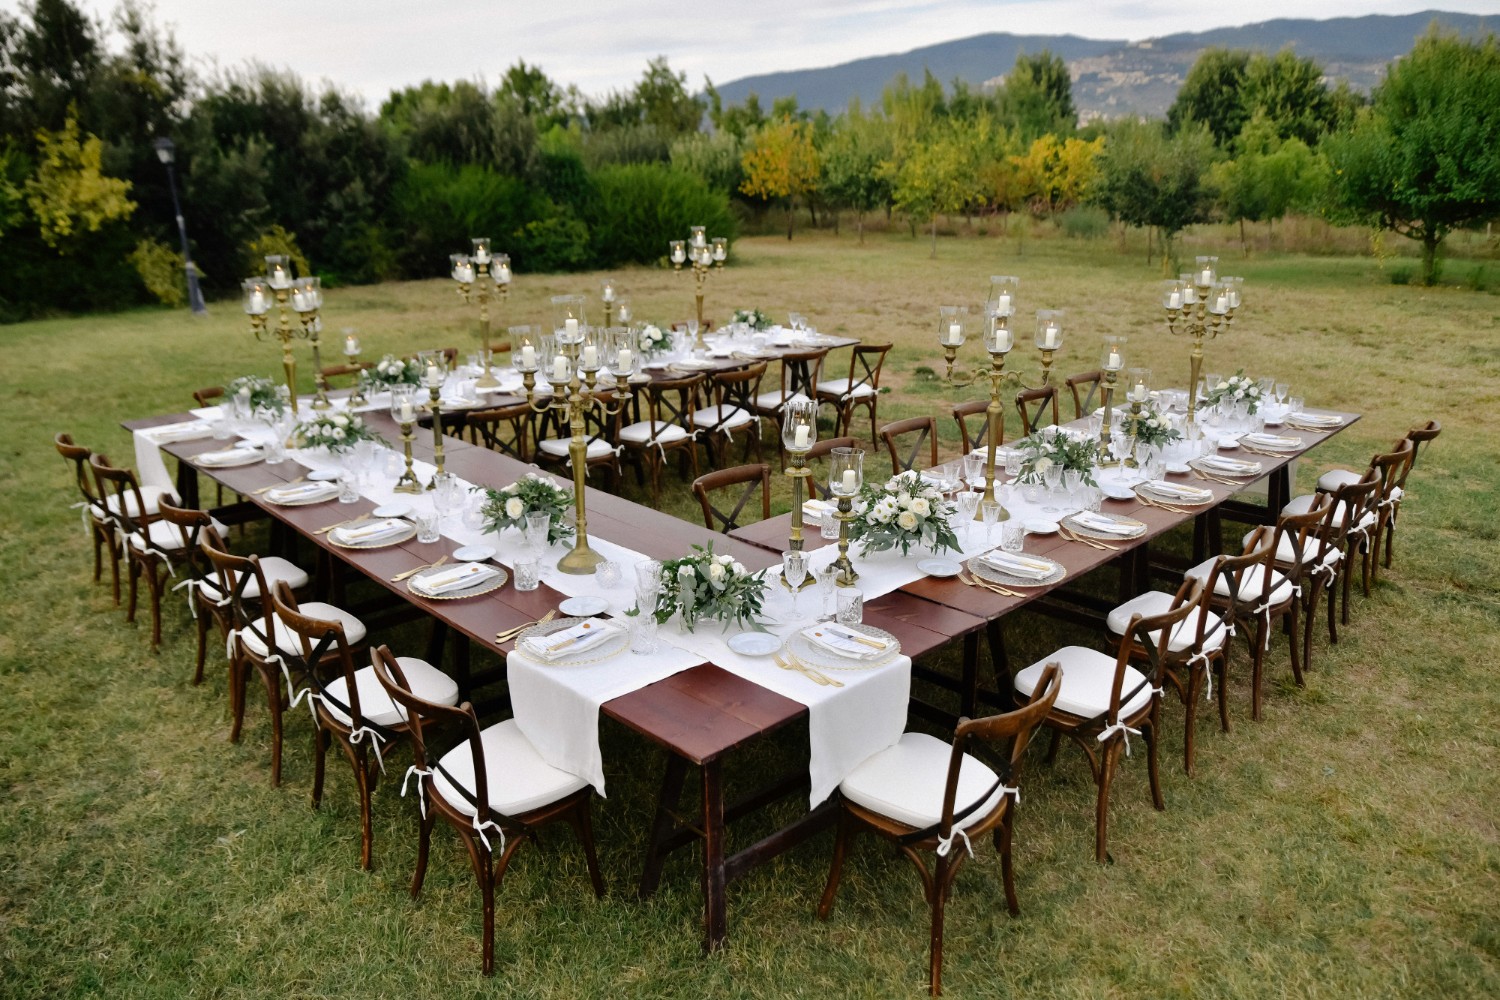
[{"x": 165, "y": 152}]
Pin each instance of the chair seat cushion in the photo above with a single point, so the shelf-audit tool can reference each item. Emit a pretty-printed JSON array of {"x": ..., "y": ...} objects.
[
  {"x": 286, "y": 639},
  {"x": 274, "y": 568},
  {"x": 1156, "y": 602},
  {"x": 1251, "y": 582},
  {"x": 1087, "y": 676},
  {"x": 1334, "y": 478},
  {"x": 906, "y": 781},
  {"x": 733, "y": 418},
  {"x": 1286, "y": 551},
  {"x": 558, "y": 448},
  {"x": 519, "y": 780},
  {"x": 166, "y": 537},
  {"x": 772, "y": 400},
  {"x": 641, "y": 433},
  {"x": 840, "y": 387},
  {"x": 426, "y": 682},
  {"x": 1304, "y": 503},
  {"x": 150, "y": 496}
]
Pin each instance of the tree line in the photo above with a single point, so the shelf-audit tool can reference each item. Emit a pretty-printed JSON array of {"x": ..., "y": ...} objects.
[{"x": 563, "y": 181}]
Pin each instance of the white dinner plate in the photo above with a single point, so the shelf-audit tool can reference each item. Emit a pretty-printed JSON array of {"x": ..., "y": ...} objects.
[
  {"x": 392, "y": 510},
  {"x": 1116, "y": 490},
  {"x": 1228, "y": 443},
  {"x": 941, "y": 568},
  {"x": 1178, "y": 468},
  {"x": 323, "y": 475},
  {"x": 1039, "y": 526},
  {"x": 754, "y": 643},
  {"x": 583, "y": 606},
  {"x": 474, "y": 553}
]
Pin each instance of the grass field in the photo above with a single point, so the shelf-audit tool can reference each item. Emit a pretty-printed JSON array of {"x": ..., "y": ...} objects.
[{"x": 1346, "y": 846}]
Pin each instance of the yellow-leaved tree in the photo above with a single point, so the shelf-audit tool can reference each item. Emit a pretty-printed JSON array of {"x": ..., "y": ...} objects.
[
  {"x": 69, "y": 194},
  {"x": 782, "y": 163}
]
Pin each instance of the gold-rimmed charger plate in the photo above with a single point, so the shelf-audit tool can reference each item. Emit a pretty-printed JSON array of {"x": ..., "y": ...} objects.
[
  {"x": 609, "y": 648},
  {"x": 331, "y": 494},
  {"x": 1170, "y": 497},
  {"x": 487, "y": 585},
  {"x": 982, "y": 569},
  {"x": 1138, "y": 528},
  {"x": 385, "y": 541},
  {"x": 802, "y": 646}
]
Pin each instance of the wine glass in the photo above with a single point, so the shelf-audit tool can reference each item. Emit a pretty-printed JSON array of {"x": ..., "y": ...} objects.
[
  {"x": 968, "y": 503},
  {"x": 1070, "y": 480},
  {"x": 446, "y": 492},
  {"x": 794, "y": 571},
  {"x": 828, "y": 579},
  {"x": 989, "y": 510},
  {"x": 974, "y": 470},
  {"x": 1051, "y": 479}
]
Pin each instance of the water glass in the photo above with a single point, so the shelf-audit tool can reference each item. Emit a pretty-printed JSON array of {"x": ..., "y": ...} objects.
[
  {"x": 1094, "y": 498},
  {"x": 1282, "y": 388},
  {"x": 829, "y": 526},
  {"x": 851, "y": 606},
  {"x": 427, "y": 527},
  {"x": 348, "y": 488},
  {"x": 648, "y": 577},
  {"x": 223, "y": 428},
  {"x": 1012, "y": 535},
  {"x": 528, "y": 572},
  {"x": 276, "y": 450},
  {"x": 974, "y": 470},
  {"x": 642, "y": 631},
  {"x": 968, "y": 503},
  {"x": 1012, "y": 462},
  {"x": 538, "y": 525},
  {"x": 1052, "y": 478},
  {"x": 794, "y": 572},
  {"x": 1294, "y": 404},
  {"x": 828, "y": 584},
  {"x": 607, "y": 574}
]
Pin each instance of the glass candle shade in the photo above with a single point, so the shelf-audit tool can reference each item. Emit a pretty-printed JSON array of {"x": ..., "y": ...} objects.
[
  {"x": 998, "y": 338},
  {"x": 1189, "y": 290},
  {"x": 953, "y": 325},
  {"x": 481, "y": 249},
  {"x": 568, "y": 322},
  {"x": 1171, "y": 295},
  {"x": 799, "y": 424},
  {"x": 1049, "y": 329},
  {"x": 524, "y": 349},
  {"x": 846, "y": 471},
  {"x": 721, "y": 249},
  {"x": 1002, "y": 297},
  {"x": 500, "y": 269},
  {"x": 1205, "y": 271},
  {"x": 1138, "y": 385},
  {"x": 679, "y": 251},
  {"x": 1112, "y": 357},
  {"x": 258, "y": 296},
  {"x": 278, "y": 271},
  {"x": 403, "y": 403},
  {"x": 463, "y": 269}
]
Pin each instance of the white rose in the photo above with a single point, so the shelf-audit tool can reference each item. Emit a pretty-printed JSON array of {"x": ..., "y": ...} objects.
[
  {"x": 514, "y": 508},
  {"x": 685, "y": 572},
  {"x": 337, "y": 433},
  {"x": 904, "y": 501},
  {"x": 1042, "y": 465},
  {"x": 739, "y": 568},
  {"x": 715, "y": 572},
  {"x": 511, "y": 488},
  {"x": 907, "y": 521},
  {"x": 921, "y": 507},
  {"x": 1239, "y": 394},
  {"x": 1222, "y": 385},
  {"x": 726, "y": 560}
]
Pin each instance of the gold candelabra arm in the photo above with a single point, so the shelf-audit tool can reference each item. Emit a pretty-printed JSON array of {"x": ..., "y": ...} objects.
[{"x": 407, "y": 483}]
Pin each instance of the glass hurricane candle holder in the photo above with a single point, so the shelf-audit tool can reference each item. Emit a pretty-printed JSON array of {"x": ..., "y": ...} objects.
[
  {"x": 1171, "y": 295},
  {"x": 258, "y": 296},
  {"x": 525, "y": 353},
  {"x": 1002, "y": 297},
  {"x": 953, "y": 325},
  {"x": 1189, "y": 290},
  {"x": 1138, "y": 382},
  {"x": 679, "y": 252},
  {"x": 1049, "y": 329},
  {"x": 846, "y": 471},
  {"x": 500, "y": 270},
  {"x": 1205, "y": 271},
  {"x": 403, "y": 403},
  {"x": 568, "y": 322},
  {"x": 721, "y": 249},
  {"x": 481, "y": 249},
  {"x": 278, "y": 271},
  {"x": 463, "y": 270},
  {"x": 799, "y": 425},
  {"x": 1112, "y": 356}
]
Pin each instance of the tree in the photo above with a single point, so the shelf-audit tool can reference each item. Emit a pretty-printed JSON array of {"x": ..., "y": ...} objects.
[
  {"x": 1291, "y": 94},
  {"x": 739, "y": 120},
  {"x": 938, "y": 175},
  {"x": 1213, "y": 95},
  {"x": 852, "y": 156},
  {"x": 70, "y": 196},
  {"x": 713, "y": 159},
  {"x": 782, "y": 163},
  {"x": 1037, "y": 98},
  {"x": 537, "y": 96},
  {"x": 1424, "y": 159},
  {"x": 1147, "y": 178},
  {"x": 1268, "y": 177},
  {"x": 1057, "y": 174}
]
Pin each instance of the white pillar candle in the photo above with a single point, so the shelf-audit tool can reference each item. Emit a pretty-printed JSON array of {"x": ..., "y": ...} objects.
[
  {"x": 609, "y": 293},
  {"x": 1004, "y": 340},
  {"x": 955, "y": 334},
  {"x": 718, "y": 253},
  {"x": 1049, "y": 342},
  {"x": 559, "y": 369},
  {"x": 624, "y": 360},
  {"x": 1114, "y": 361},
  {"x": 677, "y": 255},
  {"x": 406, "y": 411},
  {"x": 1223, "y": 303},
  {"x": 257, "y": 302},
  {"x": 1206, "y": 278},
  {"x": 570, "y": 327},
  {"x": 851, "y": 481},
  {"x": 482, "y": 256},
  {"x": 528, "y": 356},
  {"x": 1002, "y": 306},
  {"x": 1174, "y": 301},
  {"x": 1189, "y": 296},
  {"x": 1139, "y": 392},
  {"x": 590, "y": 356},
  {"x": 502, "y": 276},
  {"x": 799, "y": 439}
]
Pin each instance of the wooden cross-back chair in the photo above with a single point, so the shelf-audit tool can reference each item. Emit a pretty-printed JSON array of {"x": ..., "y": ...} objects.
[
  {"x": 601, "y": 440},
  {"x": 1303, "y": 553},
  {"x": 490, "y": 786},
  {"x": 205, "y": 603},
  {"x": 1418, "y": 436},
  {"x": 1392, "y": 468},
  {"x": 861, "y": 388},
  {"x": 980, "y": 437},
  {"x": 801, "y": 371},
  {"x": 667, "y": 428},
  {"x": 208, "y": 396},
  {"x": 821, "y": 449},
  {"x": 747, "y": 476},
  {"x": 350, "y": 705},
  {"x": 731, "y": 411},
  {"x": 1104, "y": 699},
  {"x": 1034, "y": 406},
  {"x": 1085, "y": 389},
  {"x": 918, "y": 431},
  {"x": 505, "y": 429},
  {"x": 331, "y": 372},
  {"x": 924, "y": 794},
  {"x": 96, "y": 516}
]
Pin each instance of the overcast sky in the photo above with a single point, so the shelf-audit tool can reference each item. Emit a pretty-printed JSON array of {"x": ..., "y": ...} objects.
[{"x": 374, "y": 46}]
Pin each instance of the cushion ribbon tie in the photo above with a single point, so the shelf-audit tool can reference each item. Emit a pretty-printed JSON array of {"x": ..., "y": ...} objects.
[{"x": 420, "y": 772}]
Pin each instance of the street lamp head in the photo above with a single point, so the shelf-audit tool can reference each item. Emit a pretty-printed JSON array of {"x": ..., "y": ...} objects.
[{"x": 164, "y": 149}]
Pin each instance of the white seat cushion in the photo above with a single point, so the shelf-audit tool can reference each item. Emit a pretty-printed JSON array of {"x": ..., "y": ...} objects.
[
  {"x": 772, "y": 400},
  {"x": 733, "y": 417},
  {"x": 286, "y": 639},
  {"x": 641, "y": 433},
  {"x": 1286, "y": 552},
  {"x": 1304, "y": 503},
  {"x": 905, "y": 782},
  {"x": 150, "y": 496},
  {"x": 274, "y": 568},
  {"x": 1087, "y": 678},
  {"x": 1251, "y": 582},
  {"x": 519, "y": 780},
  {"x": 559, "y": 447},
  {"x": 426, "y": 682},
  {"x": 840, "y": 387},
  {"x": 1156, "y": 602},
  {"x": 1334, "y": 478},
  {"x": 167, "y": 536}
]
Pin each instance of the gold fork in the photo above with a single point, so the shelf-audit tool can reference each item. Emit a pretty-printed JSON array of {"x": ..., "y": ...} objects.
[
  {"x": 413, "y": 572},
  {"x": 790, "y": 663},
  {"x": 277, "y": 486},
  {"x": 342, "y": 524},
  {"x": 1072, "y": 536},
  {"x": 511, "y": 633},
  {"x": 973, "y": 580}
]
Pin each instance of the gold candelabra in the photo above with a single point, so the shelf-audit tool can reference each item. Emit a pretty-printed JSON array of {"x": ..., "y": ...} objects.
[
  {"x": 1200, "y": 304},
  {"x": 434, "y": 404},
  {"x": 799, "y": 430},
  {"x": 302, "y": 297},
  {"x": 704, "y": 255},
  {"x": 351, "y": 353},
  {"x": 478, "y": 275},
  {"x": 404, "y": 413},
  {"x": 574, "y": 376},
  {"x": 955, "y": 325}
]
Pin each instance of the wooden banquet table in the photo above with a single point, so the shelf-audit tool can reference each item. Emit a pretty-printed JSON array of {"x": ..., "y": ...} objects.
[{"x": 700, "y": 716}]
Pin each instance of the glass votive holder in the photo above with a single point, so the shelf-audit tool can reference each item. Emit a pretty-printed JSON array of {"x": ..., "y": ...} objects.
[
  {"x": 829, "y": 526},
  {"x": 427, "y": 527},
  {"x": 348, "y": 488},
  {"x": 223, "y": 427},
  {"x": 276, "y": 450},
  {"x": 851, "y": 606},
  {"x": 607, "y": 574},
  {"x": 642, "y": 632},
  {"x": 528, "y": 572},
  {"x": 1012, "y": 535}
]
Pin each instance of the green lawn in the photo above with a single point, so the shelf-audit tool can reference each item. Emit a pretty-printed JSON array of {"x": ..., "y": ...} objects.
[{"x": 1346, "y": 846}]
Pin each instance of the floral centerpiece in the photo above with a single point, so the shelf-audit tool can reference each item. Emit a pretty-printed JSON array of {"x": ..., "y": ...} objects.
[
  {"x": 1237, "y": 388},
  {"x": 1054, "y": 447},
  {"x": 391, "y": 370},
  {"x": 1150, "y": 428},
  {"x": 338, "y": 432},
  {"x": 704, "y": 585},
  {"x": 904, "y": 511},
  {"x": 654, "y": 340},
  {"x": 753, "y": 318},
  {"x": 508, "y": 506},
  {"x": 264, "y": 395}
]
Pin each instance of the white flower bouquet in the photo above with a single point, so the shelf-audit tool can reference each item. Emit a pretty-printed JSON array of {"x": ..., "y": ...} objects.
[
  {"x": 704, "y": 585},
  {"x": 264, "y": 395},
  {"x": 1053, "y": 447},
  {"x": 338, "y": 432},
  {"x": 391, "y": 370},
  {"x": 1237, "y": 388},
  {"x": 753, "y": 318},
  {"x": 1150, "y": 427},
  {"x": 654, "y": 340},
  {"x": 906, "y": 510},
  {"x": 508, "y": 506}
]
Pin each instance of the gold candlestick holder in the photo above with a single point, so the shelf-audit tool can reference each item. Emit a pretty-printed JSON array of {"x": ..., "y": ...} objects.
[
  {"x": 357, "y": 397},
  {"x": 434, "y": 405},
  {"x": 847, "y": 576},
  {"x": 799, "y": 474},
  {"x": 481, "y": 276},
  {"x": 846, "y": 475},
  {"x": 1200, "y": 305},
  {"x": 314, "y": 327},
  {"x": 704, "y": 256},
  {"x": 408, "y": 482},
  {"x": 573, "y": 400}
]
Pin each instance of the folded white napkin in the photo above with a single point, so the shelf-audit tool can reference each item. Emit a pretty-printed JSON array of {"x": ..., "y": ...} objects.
[
  {"x": 371, "y": 531},
  {"x": 1178, "y": 490},
  {"x": 1098, "y": 522},
  {"x": 181, "y": 432},
  {"x": 302, "y": 491},
  {"x": 1316, "y": 419},
  {"x": 942, "y": 484},
  {"x": 846, "y": 641},
  {"x": 1273, "y": 441},
  {"x": 817, "y": 509},
  {"x": 229, "y": 457},
  {"x": 720, "y": 352},
  {"x": 1233, "y": 465},
  {"x": 1014, "y": 565},
  {"x": 570, "y": 641},
  {"x": 459, "y": 577}
]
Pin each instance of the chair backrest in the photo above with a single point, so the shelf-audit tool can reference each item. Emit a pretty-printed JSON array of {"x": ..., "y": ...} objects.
[
  {"x": 1152, "y": 635},
  {"x": 235, "y": 574},
  {"x": 748, "y": 476},
  {"x": 339, "y": 371},
  {"x": 800, "y": 373},
  {"x": 491, "y": 426},
  {"x": 735, "y": 389},
  {"x": 980, "y": 438},
  {"x": 681, "y": 326},
  {"x": 1242, "y": 602},
  {"x": 1033, "y": 406},
  {"x": 207, "y": 396},
  {"x": 671, "y": 401},
  {"x": 128, "y": 509},
  {"x": 600, "y": 423},
  {"x": 1392, "y": 469},
  {"x": 1084, "y": 386},
  {"x": 1304, "y": 534},
  {"x": 821, "y": 449},
  {"x": 921, "y": 430},
  {"x": 865, "y": 364},
  {"x": 1419, "y": 436},
  {"x": 190, "y": 524},
  {"x": 1350, "y": 505},
  {"x": 321, "y": 644},
  {"x": 82, "y": 474},
  {"x": 1008, "y": 733}
]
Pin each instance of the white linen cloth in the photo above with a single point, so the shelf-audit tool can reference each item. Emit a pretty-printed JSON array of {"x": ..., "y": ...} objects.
[{"x": 150, "y": 468}]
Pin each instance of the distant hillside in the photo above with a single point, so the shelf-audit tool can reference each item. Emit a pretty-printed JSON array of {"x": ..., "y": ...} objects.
[{"x": 1114, "y": 77}]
